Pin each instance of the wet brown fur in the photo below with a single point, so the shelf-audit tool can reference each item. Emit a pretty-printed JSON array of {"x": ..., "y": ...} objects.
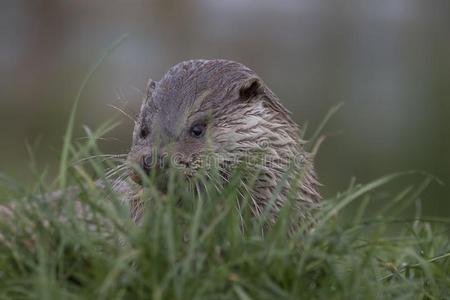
[{"x": 243, "y": 116}]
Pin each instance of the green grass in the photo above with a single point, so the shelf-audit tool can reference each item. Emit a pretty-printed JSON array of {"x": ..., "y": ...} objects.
[{"x": 363, "y": 245}]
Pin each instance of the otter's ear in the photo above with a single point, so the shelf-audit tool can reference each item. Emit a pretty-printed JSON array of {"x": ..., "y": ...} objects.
[
  {"x": 151, "y": 85},
  {"x": 251, "y": 88}
]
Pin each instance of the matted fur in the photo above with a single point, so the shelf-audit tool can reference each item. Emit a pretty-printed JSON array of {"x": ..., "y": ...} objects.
[{"x": 244, "y": 118}]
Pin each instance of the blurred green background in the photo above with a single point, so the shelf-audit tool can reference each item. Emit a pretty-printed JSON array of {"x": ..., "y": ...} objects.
[{"x": 387, "y": 60}]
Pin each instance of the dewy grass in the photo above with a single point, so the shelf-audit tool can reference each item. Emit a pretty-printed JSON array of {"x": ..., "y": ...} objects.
[{"x": 207, "y": 245}]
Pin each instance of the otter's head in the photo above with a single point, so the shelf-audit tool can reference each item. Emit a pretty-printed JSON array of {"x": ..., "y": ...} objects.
[{"x": 209, "y": 107}]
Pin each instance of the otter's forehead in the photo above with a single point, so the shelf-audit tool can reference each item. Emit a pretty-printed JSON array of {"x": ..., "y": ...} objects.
[
  {"x": 186, "y": 83},
  {"x": 193, "y": 86}
]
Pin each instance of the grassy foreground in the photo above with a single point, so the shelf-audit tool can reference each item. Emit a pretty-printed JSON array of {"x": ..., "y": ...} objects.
[{"x": 206, "y": 247}]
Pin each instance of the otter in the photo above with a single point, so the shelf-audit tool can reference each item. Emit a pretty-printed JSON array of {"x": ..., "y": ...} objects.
[
  {"x": 220, "y": 109},
  {"x": 224, "y": 109}
]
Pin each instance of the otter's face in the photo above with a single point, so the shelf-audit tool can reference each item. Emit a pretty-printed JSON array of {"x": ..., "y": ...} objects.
[{"x": 199, "y": 107}]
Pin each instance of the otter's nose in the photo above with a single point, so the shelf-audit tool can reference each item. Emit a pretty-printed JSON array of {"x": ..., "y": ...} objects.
[
  {"x": 146, "y": 163},
  {"x": 153, "y": 162}
]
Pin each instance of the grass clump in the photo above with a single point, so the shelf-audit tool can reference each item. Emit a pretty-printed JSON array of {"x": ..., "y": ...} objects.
[{"x": 200, "y": 246}]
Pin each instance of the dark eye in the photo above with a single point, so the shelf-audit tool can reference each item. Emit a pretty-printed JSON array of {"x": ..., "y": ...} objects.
[
  {"x": 143, "y": 133},
  {"x": 198, "y": 130}
]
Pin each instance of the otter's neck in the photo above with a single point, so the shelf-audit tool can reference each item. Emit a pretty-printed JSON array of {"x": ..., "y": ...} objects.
[{"x": 286, "y": 170}]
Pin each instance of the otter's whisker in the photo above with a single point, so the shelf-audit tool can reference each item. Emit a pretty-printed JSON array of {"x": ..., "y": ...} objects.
[
  {"x": 214, "y": 183},
  {"x": 123, "y": 112},
  {"x": 118, "y": 181},
  {"x": 114, "y": 169},
  {"x": 98, "y": 138},
  {"x": 111, "y": 173},
  {"x": 256, "y": 208},
  {"x": 105, "y": 156},
  {"x": 141, "y": 93}
]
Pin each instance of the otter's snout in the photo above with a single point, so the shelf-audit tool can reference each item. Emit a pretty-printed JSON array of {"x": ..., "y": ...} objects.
[
  {"x": 146, "y": 163},
  {"x": 150, "y": 162}
]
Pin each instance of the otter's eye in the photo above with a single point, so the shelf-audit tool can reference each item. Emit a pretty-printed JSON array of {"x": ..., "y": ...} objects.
[{"x": 198, "y": 130}]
